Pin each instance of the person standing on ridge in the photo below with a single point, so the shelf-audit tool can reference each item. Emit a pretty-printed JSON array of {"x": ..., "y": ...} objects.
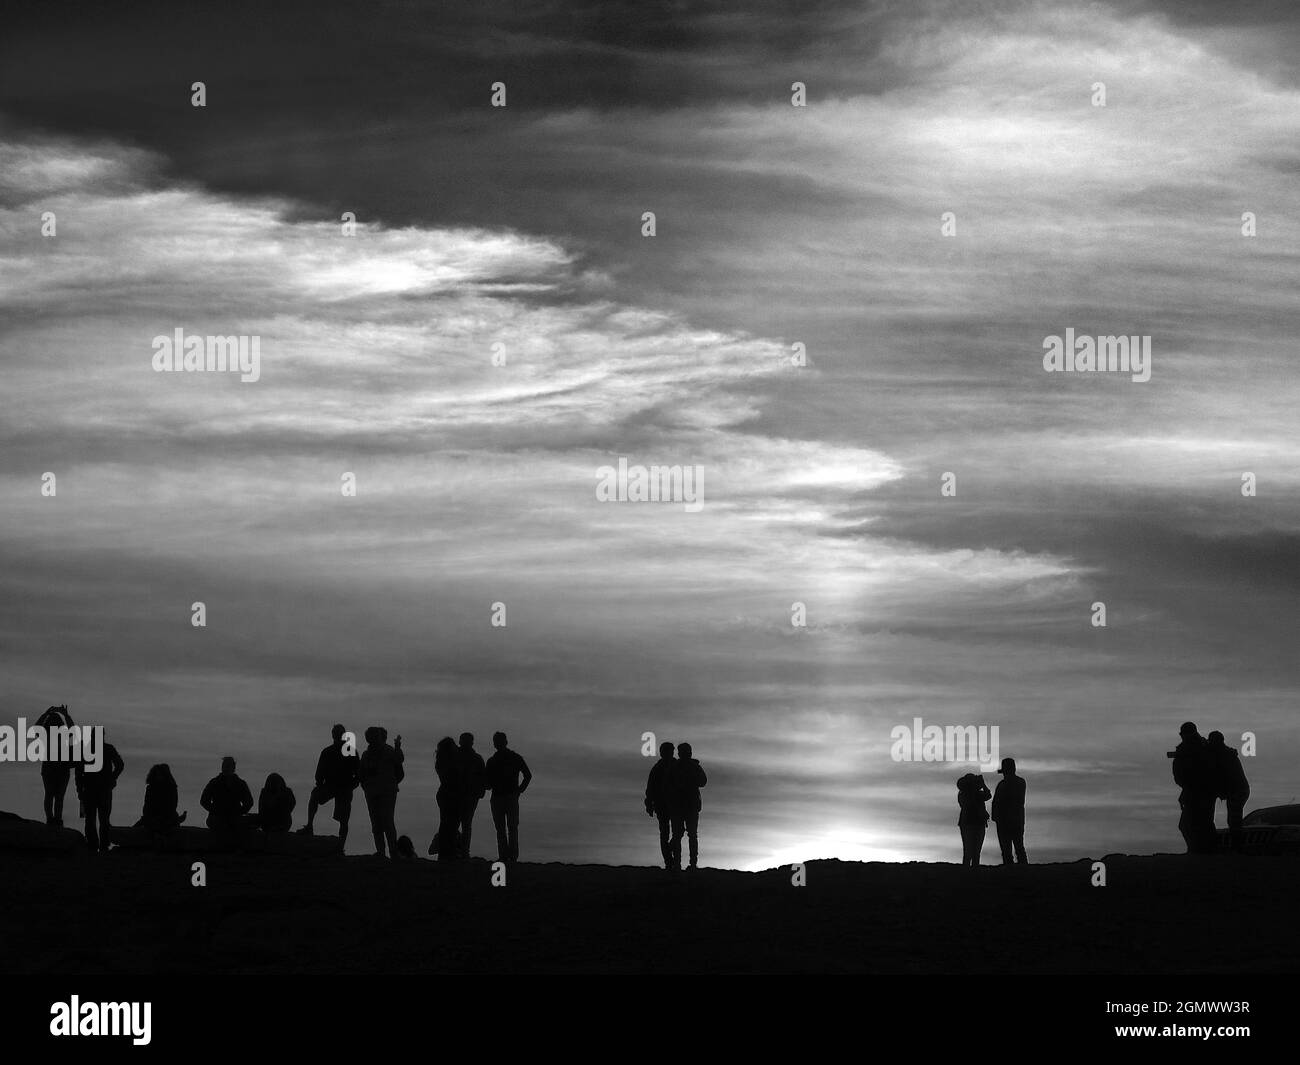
[
  {"x": 658, "y": 803},
  {"x": 380, "y": 773},
  {"x": 1194, "y": 774},
  {"x": 475, "y": 782},
  {"x": 1009, "y": 812},
  {"x": 95, "y": 790},
  {"x": 972, "y": 794},
  {"x": 336, "y": 779},
  {"x": 1231, "y": 785},
  {"x": 55, "y": 773},
  {"x": 449, "y": 765},
  {"x": 685, "y": 781},
  {"x": 504, "y": 770}
]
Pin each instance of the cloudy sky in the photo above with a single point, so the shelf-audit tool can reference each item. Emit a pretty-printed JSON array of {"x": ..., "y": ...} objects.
[{"x": 521, "y": 226}]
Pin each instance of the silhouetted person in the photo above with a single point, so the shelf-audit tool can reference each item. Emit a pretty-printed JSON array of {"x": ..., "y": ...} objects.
[
  {"x": 684, "y": 782},
  {"x": 95, "y": 790},
  {"x": 405, "y": 847},
  {"x": 227, "y": 800},
  {"x": 504, "y": 770},
  {"x": 449, "y": 766},
  {"x": 161, "y": 801},
  {"x": 1194, "y": 774},
  {"x": 1009, "y": 812},
  {"x": 55, "y": 773},
  {"x": 658, "y": 803},
  {"x": 336, "y": 780},
  {"x": 381, "y": 771},
  {"x": 973, "y": 821},
  {"x": 475, "y": 781},
  {"x": 275, "y": 805},
  {"x": 1230, "y": 784}
]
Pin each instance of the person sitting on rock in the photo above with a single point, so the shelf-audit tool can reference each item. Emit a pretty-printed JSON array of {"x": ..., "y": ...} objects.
[
  {"x": 275, "y": 805},
  {"x": 227, "y": 799},
  {"x": 161, "y": 799}
]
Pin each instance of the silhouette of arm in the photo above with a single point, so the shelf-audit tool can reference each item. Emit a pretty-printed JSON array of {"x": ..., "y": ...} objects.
[
  {"x": 700, "y": 778},
  {"x": 528, "y": 776},
  {"x": 245, "y": 798},
  {"x": 206, "y": 799},
  {"x": 320, "y": 769},
  {"x": 115, "y": 764}
]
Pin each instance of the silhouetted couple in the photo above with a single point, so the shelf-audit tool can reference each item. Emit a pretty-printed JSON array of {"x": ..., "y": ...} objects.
[
  {"x": 94, "y": 787},
  {"x": 1207, "y": 770},
  {"x": 1008, "y": 815},
  {"x": 672, "y": 794},
  {"x": 229, "y": 803},
  {"x": 462, "y": 783}
]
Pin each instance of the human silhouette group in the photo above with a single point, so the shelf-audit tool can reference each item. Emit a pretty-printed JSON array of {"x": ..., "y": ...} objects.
[
  {"x": 463, "y": 780},
  {"x": 1205, "y": 769}
]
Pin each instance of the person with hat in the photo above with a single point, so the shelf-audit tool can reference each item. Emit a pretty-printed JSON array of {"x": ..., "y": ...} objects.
[{"x": 1009, "y": 813}]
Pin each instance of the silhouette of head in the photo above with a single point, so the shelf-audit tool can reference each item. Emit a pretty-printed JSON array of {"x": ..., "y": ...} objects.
[
  {"x": 665, "y": 750},
  {"x": 1008, "y": 767},
  {"x": 1188, "y": 730},
  {"x": 374, "y": 734},
  {"x": 158, "y": 774},
  {"x": 446, "y": 745},
  {"x": 467, "y": 740},
  {"x": 1215, "y": 738},
  {"x": 405, "y": 848},
  {"x": 684, "y": 750},
  {"x": 275, "y": 782},
  {"x": 337, "y": 733},
  {"x": 228, "y": 766},
  {"x": 499, "y": 740}
]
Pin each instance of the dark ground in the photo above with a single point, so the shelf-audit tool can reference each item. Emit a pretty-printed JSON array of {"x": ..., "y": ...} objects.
[{"x": 133, "y": 912}]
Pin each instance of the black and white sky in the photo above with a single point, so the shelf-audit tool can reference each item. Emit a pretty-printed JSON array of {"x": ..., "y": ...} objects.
[{"x": 775, "y": 225}]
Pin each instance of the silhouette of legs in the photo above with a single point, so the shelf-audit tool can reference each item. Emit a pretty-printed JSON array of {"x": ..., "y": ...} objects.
[
  {"x": 1236, "y": 807},
  {"x": 448, "y": 819},
  {"x": 466, "y": 825},
  {"x": 1011, "y": 837},
  {"x": 1197, "y": 825},
  {"x": 382, "y": 808},
  {"x": 672, "y": 858},
  {"x": 55, "y": 778},
  {"x": 505, "y": 816},
  {"x": 675, "y": 844},
  {"x": 343, "y": 814},
  {"x": 691, "y": 825},
  {"x": 972, "y": 842},
  {"x": 98, "y": 809}
]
